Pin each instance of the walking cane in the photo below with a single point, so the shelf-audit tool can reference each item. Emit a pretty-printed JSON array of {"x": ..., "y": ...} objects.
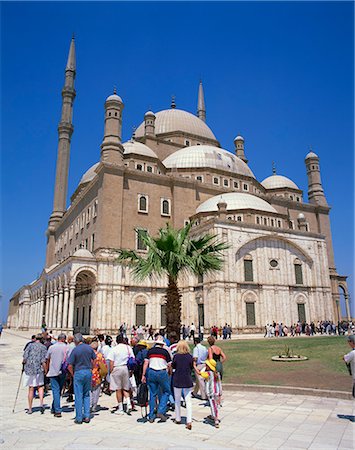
[{"x": 18, "y": 390}]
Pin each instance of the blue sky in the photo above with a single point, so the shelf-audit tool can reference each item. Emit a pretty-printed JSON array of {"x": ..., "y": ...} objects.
[{"x": 281, "y": 74}]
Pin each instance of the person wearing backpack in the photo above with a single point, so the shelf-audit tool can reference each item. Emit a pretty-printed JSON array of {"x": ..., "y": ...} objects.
[
  {"x": 120, "y": 356},
  {"x": 57, "y": 368},
  {"x": 99, "y": 371}
]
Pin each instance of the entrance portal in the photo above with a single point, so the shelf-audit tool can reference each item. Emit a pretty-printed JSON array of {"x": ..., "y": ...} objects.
[{"x": 85, "y": 282}]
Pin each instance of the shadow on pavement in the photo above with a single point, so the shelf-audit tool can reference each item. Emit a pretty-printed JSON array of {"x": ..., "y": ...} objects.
[{"x": 347, "y": 417}]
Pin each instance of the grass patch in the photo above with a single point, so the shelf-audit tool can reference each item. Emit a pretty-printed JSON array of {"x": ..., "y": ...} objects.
[{"x": 249, "y": 362}]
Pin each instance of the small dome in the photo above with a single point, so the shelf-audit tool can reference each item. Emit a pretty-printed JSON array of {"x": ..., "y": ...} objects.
[
  {"x": 311, "y": 155},
  {"x": 138, "y": 148},
  {"x": 174, "y": 119},
  {"x": 207, "y": 156},
  {"x": 301, "y": 217},
  {"x": 89, "y": 174},
  {"x": 114, "y": 97},
  {"x": 278, "y": 181},
  {"x": 236, "y": 200},
  {"x": 149, "y": 113},
  {"x": 239, "y": 138},
  {"x": 83, "y": 253}
]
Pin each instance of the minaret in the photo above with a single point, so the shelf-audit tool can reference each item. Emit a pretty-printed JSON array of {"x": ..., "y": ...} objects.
[
  {"x": 65, "y": 131},
  {"x": 149, "y": 123},
  {"x": 239, "y": 148},
  {"x": 315, "y": 188},
  {"x": 201, "y": 109},
  {"x": 111, "y": 147}
]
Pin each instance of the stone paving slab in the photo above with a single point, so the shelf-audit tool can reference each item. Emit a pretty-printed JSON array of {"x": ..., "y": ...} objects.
[{"x": 249, "y": 420}]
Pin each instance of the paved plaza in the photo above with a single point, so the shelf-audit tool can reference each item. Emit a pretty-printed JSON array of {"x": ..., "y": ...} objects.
[{"x": 249, "y": 420}]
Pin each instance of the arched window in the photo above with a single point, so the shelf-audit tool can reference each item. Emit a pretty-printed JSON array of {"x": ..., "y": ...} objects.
[
  {"x": 139, "y": 167},
  {"x": 298, "y": 271},
  {"x": 142, "y": 203},
  {"x": 165, "y": 207},
  {"x": 149, "y": 169},
  {"x": 248, "y": 268}
]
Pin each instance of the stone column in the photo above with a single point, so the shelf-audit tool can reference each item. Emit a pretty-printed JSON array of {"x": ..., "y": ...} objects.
[
  {"x": 71, "y": 306},
  {"x": 347, "y": 306},
  {"x": 41, "y": 311},
  {"x": 51, "y": 302},
  {"x": 55, "y": 309},
  {"x": 47, "y": 301},
  {"x": 60, "y": 308},
  {"x": 65, "y": 307}
]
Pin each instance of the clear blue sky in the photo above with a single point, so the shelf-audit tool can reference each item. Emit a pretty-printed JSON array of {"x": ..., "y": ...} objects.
[{"x": 281, "y": 74}]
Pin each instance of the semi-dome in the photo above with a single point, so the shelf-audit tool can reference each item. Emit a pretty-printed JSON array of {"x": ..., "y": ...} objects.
[
  {"x": 89, "y": 174},
  {"x": 278, "y": 181},
  {"x": 83, "y": 253},
  {"x": 209, "y": 157},
  {"x": 138, "y": 148},
  {"x": 234, "y": 201},
  {"x": 170, "y": 120}
]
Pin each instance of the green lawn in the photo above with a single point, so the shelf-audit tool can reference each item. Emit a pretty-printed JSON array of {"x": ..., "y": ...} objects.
[{"x": 249, "y": 362}]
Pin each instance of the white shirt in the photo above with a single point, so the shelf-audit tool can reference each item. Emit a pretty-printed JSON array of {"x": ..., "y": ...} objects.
[
  {"x": 120, "y": 354},
  {"x": 349, "y": 358},
  {"x": 105, "y": 350},
  {"x": 200, "y": 352}
]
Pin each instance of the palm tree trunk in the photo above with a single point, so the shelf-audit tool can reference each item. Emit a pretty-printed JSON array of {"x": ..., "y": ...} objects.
[{"x": 173, "y": 308}]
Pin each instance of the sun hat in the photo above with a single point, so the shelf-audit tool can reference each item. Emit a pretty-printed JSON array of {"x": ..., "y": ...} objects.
[
  {"x": 211, "y": 363},
  {"x": 142, "y": 342},
  {"x": 160, "y": 340}
]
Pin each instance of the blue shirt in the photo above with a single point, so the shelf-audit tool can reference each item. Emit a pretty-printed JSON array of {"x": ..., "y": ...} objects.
[{"x": 81, "y": 357}]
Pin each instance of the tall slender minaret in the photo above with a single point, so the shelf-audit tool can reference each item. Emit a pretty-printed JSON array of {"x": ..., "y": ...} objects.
[
  {"x": 315, "y": 188},
  {"x": 65, "y": 131},
  {"x": 201, "y": 109}
]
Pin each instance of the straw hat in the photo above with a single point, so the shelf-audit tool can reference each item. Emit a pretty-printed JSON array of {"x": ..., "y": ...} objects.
[
  {"x": 211, "y": 363},
  {"x": 142, "y": 342}
]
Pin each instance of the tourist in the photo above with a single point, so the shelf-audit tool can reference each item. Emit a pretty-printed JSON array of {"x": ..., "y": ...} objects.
[
  {"x": 213, "y": 389},
  {"x": 159, "y": 363},
  {"x": 34, "y": 366},
  {"x": 192, "y": 331},
  {"x": 349, "y": 358},
  {"x": 99, "y": 371},
  {"x": 216, "y": 353},
  {"x": 56, "y": 364},
  {"x": 140, "y": 351},
  {"x": 101, "y": 343},
  {"x": 33, "y": 339},
  {"x": 105, "y": 350},
  {"x": 150, "y": 333},
  {"x": 80, "y": 364},
  {"x": 183, "y": 364},
  {"x": 119, "y": 373},
  {"x": 200, "y": 354}
]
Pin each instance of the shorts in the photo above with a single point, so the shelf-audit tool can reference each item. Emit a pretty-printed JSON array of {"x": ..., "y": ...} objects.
[
  {"x": 119, "y": 379},
  {"x": 33, "y": 380}
]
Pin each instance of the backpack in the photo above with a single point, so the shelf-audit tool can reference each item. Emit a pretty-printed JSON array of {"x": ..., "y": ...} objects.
[
  {"x": 142, "y": 397},
  {"x": 131, "y": 361},
  {"x": 103, "y": 370}
]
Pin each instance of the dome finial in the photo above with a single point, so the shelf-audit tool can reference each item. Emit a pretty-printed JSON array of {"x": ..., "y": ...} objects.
[
  {"x": 115, "y": 90},
  {"x": 173, "y": 104},
  {"x": 273, "y": 168}
]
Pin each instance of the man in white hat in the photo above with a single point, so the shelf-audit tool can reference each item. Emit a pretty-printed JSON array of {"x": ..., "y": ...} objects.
[{"x": 156, "y": 370}]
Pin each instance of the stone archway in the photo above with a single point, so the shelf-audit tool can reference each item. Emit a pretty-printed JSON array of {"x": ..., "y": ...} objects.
[
  {"x": 84, "y": 287},
  {"x": 344, "y": 304}
]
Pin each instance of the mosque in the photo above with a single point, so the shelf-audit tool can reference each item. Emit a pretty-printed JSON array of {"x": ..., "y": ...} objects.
[{"x": 279, "y": 265}]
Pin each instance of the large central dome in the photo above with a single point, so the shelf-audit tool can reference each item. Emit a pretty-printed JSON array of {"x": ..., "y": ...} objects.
[
  {"x": 200, "y": 156},
  {"x": 170, "y": 120}
]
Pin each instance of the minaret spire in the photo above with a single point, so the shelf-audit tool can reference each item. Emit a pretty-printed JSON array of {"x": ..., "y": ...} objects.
[
  {"x": 65, "y": 131},
  {"x": 201, "y": 109}
]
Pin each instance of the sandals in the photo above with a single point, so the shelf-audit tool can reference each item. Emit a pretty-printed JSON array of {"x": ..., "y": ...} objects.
[
  {"x": 29, "y": 411},
  {"x": 189, "y": 426}
]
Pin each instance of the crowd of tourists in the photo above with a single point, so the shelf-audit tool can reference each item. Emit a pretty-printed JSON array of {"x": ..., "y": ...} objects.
[
  {"x": 324, "y": 327},
  {"x": 158, "y": 372}
]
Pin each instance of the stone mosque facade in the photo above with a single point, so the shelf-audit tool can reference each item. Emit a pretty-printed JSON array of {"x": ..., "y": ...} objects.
[{"x": 279, "y": 264}]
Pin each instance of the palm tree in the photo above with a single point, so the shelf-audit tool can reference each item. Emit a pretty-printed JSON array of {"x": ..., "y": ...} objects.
[{"x": 173, "y": 253}]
